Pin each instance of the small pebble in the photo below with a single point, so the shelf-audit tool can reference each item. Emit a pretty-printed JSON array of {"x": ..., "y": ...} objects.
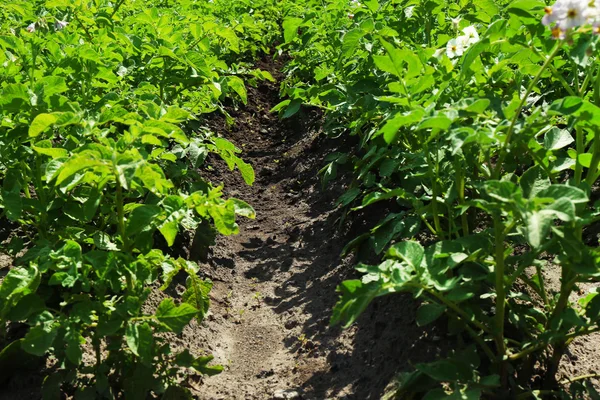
[{"x": 286, "y": 394}]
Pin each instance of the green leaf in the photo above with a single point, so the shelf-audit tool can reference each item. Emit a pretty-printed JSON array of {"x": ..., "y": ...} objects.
[
  {"x": 229, "y": 35},
  {"x": 537, "y": 227},
  {"x": 355, "y": 297},
  {"x": 280, "y": 106},
  {"x": 53, "y": 85},
  {"x": 402, "y": 63},
  {"x": 238, "y": 86},
  {"x": 142, "y": 218},
  {"x": 12, "y": 203},
  {"x": 200, "y": 364},
  {"x": 25, "y": 307},
  {"x": 410, "y": 252},
  {"x": 585, "y": 159},
  {"x": 246, "y": 170},
  {"x": 173, "y": 317},
  {"x": 533, "y": 181},
  {"x": 558, "y": 192},
  {"x": 140, "y": 341},
  {"x": 19, "y": 281},
  {"x": 472, "y": 53},
  {"x": 436, "y": 122},
  {"x": 349, "y": 196},
  {"x": 428, "y": 313},
  {"x": 478, "y": 106},
  {"x": 556, "y": 139},
  {"x": 244, "y": 209},
  {"x": 169, "y": 230},
  {"x": 196, "y": 294},
  {"x": 587, "y": 112},
  {"x": 45, "y": 147},
  {"x": 393, "y": 125},
  {"x": 74, "y": 340},
  {"x": 290, "y": 28},
  {"x": 292, "y": 108},
  {"x": 380, "y": 196},
  {"x": 74, "y": 165},
  {"x": 15, "y": 98},
  {"x": 41, "y": 123},
  {"x": 351, "y": 41},
  {"x": 39, "y": 339},
  {"x": 525, "y": 7}
]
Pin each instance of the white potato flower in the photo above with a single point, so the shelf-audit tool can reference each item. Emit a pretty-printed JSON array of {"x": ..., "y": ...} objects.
[
  {"x": 568, "y": 14},
  {"x": 457, "y": 47},
  {"x": 31, "y": 28},
  {"x": 471, "y": 34},
  {"x": 60, "y": 25}
]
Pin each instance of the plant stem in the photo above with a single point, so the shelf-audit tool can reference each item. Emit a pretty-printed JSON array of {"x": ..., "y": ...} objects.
[
  {"x": 568, "y": 339},
  {"x": 542, "y": 286},
  {"x": 580, "y": 147},
  {"x": 434, "y": 193},
  {"x": 457, "y": 310},
  {"x": 460, "y": 179},
  {"x": 85, "y": 29},
  {"x": 579, "y": 378},
  {"x": 592, "y": 173},
  {"x": 33, "y": 61},
  {"x": 513, "y": 122},
  {"x": 500, "y": 290},
  {"x": 585, "y": 83},
  {"x": 597, "y": 88},
  {"x": 116, "y": 9}
]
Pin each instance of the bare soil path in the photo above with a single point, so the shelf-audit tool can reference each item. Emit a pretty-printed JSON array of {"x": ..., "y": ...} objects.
[{"x": 274, "y": 283}]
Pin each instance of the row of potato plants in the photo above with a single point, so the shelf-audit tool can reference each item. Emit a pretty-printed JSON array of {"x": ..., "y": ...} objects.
[
  {"x": 101, "y": 107},
  {"x": 478, "y": 125}
]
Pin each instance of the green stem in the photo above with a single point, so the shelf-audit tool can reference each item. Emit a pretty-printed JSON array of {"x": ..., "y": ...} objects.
[
  {"x": 568, "y": 338},
  {"x": 41, "y": 194},
  {"x": 580, "y": 147},
  {"x": 567, "y": 284},
  {"x": 542, "y": 286},
  {"x": 585, "y": 83},
  {"x": 85, "y": 29},
  {"x": 477, "y": 337},
  {"x": 592, "y": 173},
  {"x": 116, "y": 9},
  {"x": 457, "y": 310},
  {"x": 121, "y": 215},
  {"x": 597, "y": 88},
  {"x": 513, "y": 122},
  {"x": 460, "y": 179},
  {"x": 579, "y": 378},
  {"x": 500, "y": 290},
  {"x": 562, "y": 80},
  {"x": 434, "y": 193},
  {"x": 33, "y": 62}
]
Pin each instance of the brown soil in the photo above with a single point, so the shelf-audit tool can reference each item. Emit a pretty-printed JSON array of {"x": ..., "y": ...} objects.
[{"x": 274, "y": 283}]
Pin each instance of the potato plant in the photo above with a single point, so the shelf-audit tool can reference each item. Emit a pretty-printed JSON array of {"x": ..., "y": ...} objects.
[
  {"x": 478, "y": 129},
  {"x": 99, "y": 159}
]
